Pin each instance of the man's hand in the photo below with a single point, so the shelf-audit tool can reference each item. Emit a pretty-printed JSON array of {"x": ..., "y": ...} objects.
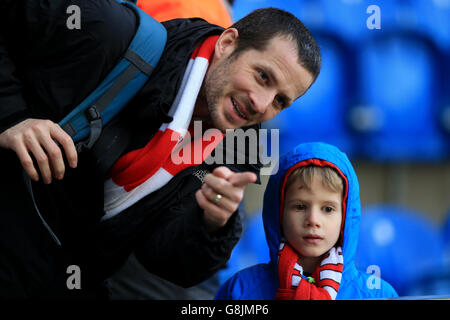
[
  {"x": 230, "y": 186},
  {"x": 38, "y": 137}
]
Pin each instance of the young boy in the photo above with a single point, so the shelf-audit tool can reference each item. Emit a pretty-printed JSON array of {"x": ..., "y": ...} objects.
[{"x": 311, "y": 218}]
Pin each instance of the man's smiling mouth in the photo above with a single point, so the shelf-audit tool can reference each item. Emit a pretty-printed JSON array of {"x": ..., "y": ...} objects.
[{"x": 238, "y": 111}]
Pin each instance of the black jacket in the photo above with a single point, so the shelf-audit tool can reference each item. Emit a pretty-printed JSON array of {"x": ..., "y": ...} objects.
[{"x": 46, "y": 70}]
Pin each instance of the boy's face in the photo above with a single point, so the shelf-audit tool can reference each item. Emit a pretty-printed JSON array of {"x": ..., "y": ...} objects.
[{"x": 312, "y": 218}]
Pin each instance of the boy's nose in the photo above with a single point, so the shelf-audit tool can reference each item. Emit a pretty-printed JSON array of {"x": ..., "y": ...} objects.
[{"x": 312, "y": 219}]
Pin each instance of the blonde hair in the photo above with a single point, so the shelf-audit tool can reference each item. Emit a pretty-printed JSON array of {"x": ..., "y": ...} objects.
[{"x": 330, "y": 178}]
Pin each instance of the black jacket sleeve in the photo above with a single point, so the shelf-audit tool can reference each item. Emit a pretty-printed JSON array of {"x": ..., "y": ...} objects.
[
  {"x": 181, "y": 251},
  {"x": 12, "y": 104}
]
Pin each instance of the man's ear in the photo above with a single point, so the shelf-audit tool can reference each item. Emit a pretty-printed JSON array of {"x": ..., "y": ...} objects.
[{"x": 226, "y": 43}]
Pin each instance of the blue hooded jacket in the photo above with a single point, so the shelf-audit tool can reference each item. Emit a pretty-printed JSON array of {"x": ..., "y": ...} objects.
[{"x": 260, "y": 282}]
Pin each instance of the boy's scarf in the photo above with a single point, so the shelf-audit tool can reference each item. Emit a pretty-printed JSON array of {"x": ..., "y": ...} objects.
[
  {"x": 143, "y": 171},
  {"x": 323, "y": 285}
]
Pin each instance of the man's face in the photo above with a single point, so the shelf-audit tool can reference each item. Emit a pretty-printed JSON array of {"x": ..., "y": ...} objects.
[
  {"x": 311, "y": 218},
  {"x": 254, "y": 86}
]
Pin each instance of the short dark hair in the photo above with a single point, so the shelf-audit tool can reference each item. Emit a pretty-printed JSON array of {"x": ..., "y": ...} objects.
[{"x": 262, "y": 25}]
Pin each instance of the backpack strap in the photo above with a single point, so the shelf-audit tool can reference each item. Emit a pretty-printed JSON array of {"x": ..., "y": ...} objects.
[{"x": 84, "y": 124}]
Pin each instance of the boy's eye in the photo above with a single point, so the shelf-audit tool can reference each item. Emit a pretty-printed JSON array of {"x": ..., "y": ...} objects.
[
  {"x": 328, "y": 209},
  {"x": 300, "y": 207}
]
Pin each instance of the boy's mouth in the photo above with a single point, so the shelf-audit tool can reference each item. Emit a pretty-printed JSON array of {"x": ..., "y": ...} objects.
[{"x": 312, "y": 238}]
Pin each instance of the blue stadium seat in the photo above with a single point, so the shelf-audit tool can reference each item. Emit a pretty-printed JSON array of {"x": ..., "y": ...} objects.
[
  {"x": 349, "y": 18},
  {"x": 444, "y": 113},
  {"x": 319, "y": 115},
  {"x": 438, "y": 281},
  {"x": 445, "y": 118},
  {"x": 398, "y": 117},
  {"x": 446, "y": 238},
  {"x": 433, "y": 19},
  {"x": 243, "y": 7},
  {"x": 344, "y": 18},
  {"x": 404, "y": 244}
]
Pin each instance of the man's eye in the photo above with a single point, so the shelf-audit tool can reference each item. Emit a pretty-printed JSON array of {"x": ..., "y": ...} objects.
[
  {"x": 263, "y": 76},
  {"x": 280, "y": 102}
]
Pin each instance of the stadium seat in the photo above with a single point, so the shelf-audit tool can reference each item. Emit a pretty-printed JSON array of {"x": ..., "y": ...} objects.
[
  {"x": 306, "y": 10},
  {"x": 352, "y": 20},
  {"x": 243, "y": 7},
  {"x": 343, "y": 18},
  {"x": 398, "y": 112},
  {"x": 433, "y": 19},
  {"x": 436, "y": 282},
  {"x": 445, "y": 107},
  {"x": 319, "y": 115},
  {"x": 403, "y": 243},
  {"x": 397, "y": 117},
  {"x": 446, "y": 238}
]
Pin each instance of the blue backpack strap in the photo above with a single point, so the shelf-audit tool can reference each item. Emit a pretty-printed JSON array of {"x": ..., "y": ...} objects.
[{"x": 85, "y": 122}]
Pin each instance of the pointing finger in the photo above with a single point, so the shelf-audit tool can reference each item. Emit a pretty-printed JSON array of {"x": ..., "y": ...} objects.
[{"x": 242, "y": 179}]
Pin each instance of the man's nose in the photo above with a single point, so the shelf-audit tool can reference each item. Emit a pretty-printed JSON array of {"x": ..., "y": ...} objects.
[{"x": 261, "y": 100}]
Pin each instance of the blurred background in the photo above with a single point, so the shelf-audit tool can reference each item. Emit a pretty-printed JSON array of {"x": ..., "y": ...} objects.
[{"x": 383, "y": 97}]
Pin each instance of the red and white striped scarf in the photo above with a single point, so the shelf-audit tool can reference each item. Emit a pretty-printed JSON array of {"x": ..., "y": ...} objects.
[
  {"x": 325, "y": 280},
  {"x": 143, "y": 171}
]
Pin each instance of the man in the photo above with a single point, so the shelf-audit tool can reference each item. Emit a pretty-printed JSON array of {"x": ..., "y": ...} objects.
[{"x": 184, "y": 231}]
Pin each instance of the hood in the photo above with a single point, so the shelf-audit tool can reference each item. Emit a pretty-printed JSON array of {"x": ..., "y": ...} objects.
[{"x": 324, "y": 154}]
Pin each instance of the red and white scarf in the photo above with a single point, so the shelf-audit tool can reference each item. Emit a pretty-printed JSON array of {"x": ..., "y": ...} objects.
[
  {"x": 143, "y": 171},
  {"x": 325, "y": 280}
]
